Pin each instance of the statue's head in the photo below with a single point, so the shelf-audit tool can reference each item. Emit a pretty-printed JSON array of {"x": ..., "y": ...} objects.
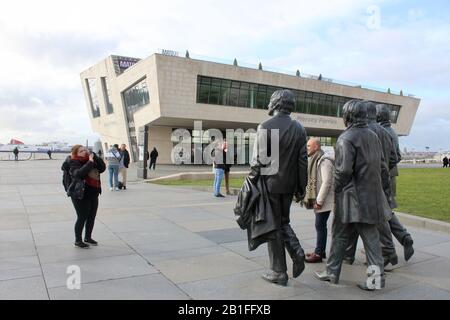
[
  {"x": 354, "y": 112},
  {"x": 383, "y": 113},
  {"x": 283, "y": 101},
  {"x": 371, "y": 110}
]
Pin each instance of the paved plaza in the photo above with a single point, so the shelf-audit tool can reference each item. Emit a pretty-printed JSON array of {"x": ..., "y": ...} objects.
[{"x": 159, "y": 242}]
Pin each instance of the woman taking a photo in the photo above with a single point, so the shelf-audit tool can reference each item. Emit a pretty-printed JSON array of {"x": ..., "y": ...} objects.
[{"x": 84, "y": 170}]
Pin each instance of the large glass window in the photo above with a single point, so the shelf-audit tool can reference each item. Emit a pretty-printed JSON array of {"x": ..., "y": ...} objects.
[
  {"x": 134, "y": 98},
  {"x": 91, "y": 85},
  {"x": 107, "y": 95},
  {"x": 137, "y": 95},
  {"x": 251, "y": 95}
]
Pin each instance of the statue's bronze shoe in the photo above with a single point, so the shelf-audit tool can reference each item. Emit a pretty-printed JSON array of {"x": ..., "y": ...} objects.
[
  {"x": 298, "y": 265},
  {"x": 280, "y": 278},
  {"x": 408, "y": 248},
  {"x": 325, "y": 276}
]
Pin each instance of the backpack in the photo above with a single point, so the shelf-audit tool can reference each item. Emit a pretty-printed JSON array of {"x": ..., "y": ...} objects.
[{"x": 66, "y": 178}]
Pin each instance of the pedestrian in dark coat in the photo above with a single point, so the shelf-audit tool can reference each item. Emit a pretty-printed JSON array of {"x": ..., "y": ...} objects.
[{"x": 153, "y": 157}]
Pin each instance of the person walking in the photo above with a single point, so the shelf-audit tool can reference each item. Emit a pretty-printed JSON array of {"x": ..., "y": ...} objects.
[
  {"x": 227, "y": 169},
  {"x": 319, "y": 195},
  {"x": 445, "y": 162},
  {"x": 49, "y": 153},
  {"x": 113, "y": 157},
  {"x": 124, "y": 163},
  {"x": 360, "y": 177},
  {"x": 84, "y": 187},
  {"x": 153, "y": 157},
  {"x": 16, "y": 154},
  {"x": 219, "y": 169}
]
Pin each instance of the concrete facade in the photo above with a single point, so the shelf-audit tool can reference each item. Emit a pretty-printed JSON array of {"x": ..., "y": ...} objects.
[{"x": 172, "y": 87}]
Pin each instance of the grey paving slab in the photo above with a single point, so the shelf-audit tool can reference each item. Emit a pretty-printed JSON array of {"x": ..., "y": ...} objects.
[
  {"x": 241, "y": 248},
  {"x": 204, "y": 267},
  {"x": 67, "y": 252},
  {"x": 158, "y": 248},
  {"x": 23, "y": 289},
  {"x": 157, "y": 236},
  {"x": 434, "y": 272},
  {"x": 416, "y": 291},
  {"x": 94, "y": 270},
  {"x": 152, "y": 257},
  {"x": 208, "y": 225},
  {"x": 67, "y": 237},
  {"x": 151, "y": 287},
  {"x": 224, "y": 235},
  {"x": 56, "y": 226},
  {"x": 17, "y": 249},
  {"x": 441, "y": 249},
  {"x": 425, "y": 238},
  {"x": 19, "y": 267},
  {"x": 16, "y": 235},
  {"x": 242, "y": 286}
]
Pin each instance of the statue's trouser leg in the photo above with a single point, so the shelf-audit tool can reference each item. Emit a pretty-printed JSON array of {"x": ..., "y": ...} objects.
[
  {"x": 398, "y": 230},
  {"x": 291, "y": 242},
  {"x": 277, "y": 254},
  {"x": 371, "y": 239},
  {"x": 350, "y": 251},
  {"x": 340, "y": 236},
  {"x": 387, "y": 244}
]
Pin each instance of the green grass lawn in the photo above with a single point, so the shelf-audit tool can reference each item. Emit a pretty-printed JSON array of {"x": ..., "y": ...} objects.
[
  {"x": 424, "y": 192},
  {"x": 421, "y": 192}
]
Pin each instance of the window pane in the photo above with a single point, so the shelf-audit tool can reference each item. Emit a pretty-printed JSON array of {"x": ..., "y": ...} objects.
[
  {"x": 134, "y": 98},
  {"x": 93, "y": 97},
  {"x": 214, "y": 95},
  {"x": 106, "y": 94},
  {"x": 203, "y": 94}
]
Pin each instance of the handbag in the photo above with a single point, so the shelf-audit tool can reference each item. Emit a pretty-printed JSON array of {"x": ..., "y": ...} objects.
[{"x": 76, "y": 189}]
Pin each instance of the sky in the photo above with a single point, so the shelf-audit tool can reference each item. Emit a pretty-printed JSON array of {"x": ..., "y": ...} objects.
[{"x": 46, "y": 44}]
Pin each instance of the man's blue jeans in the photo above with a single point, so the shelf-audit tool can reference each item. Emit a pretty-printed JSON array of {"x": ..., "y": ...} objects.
[
  {"x": 113, "y": 173},
  {"x": 321, "y": 229},
  {"x": 219, "y": 173}
]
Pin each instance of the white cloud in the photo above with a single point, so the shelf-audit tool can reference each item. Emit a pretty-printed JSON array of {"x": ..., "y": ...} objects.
[{"x": 46, "y": 44}]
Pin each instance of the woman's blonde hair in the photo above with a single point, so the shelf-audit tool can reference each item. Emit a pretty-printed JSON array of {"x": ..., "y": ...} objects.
[{"x": 75, "y": 148}]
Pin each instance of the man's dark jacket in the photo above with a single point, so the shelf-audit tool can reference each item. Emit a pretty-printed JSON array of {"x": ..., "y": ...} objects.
[
  {"x": 126, "y": 158},
  {"x": 361, "y": 177}
]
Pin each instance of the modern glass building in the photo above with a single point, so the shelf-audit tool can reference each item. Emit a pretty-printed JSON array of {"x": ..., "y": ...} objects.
[{"x": 165, "y": 92}]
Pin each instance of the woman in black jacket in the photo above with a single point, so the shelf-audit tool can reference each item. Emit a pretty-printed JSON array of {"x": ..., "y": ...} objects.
[{"x": 84, "y": 169}]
